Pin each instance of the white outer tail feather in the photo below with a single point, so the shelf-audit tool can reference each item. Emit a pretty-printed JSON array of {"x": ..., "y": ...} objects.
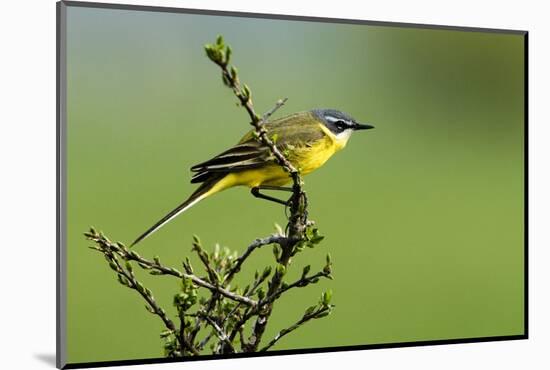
[{"x": 169, "y": 217}]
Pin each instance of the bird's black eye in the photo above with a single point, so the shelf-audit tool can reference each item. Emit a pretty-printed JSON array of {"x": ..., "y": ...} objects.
[{"x": 341, "y": 125}]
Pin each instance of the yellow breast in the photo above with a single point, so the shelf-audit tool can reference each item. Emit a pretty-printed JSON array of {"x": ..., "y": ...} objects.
[
  {"x": 310, "y": 157},
  {"x": 306, "y": 158}
]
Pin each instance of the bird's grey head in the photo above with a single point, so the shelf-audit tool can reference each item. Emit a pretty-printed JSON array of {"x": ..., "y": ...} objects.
[{"x": 339, "y": 123}]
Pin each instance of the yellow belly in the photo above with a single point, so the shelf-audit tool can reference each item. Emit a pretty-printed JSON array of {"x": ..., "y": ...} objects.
[{"x": 306, "y": 159}]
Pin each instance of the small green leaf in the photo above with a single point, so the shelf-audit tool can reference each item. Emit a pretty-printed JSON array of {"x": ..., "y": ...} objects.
[
  {"x": 144, "y": 266},
  {"x": 266, "y": 272},
  {"x": 129, "y": 266},
  {"x": 234, "y": 72},
  {"x": 113, "y": 265},
  {"x": 310, "y": 310},
  {"x": 122, "y": 280},
  {"x": 226, "y": 81},
  {"x": 317, "y": 239},
  {"x": 228, "y": 53},
  {"x": 246, "y": 91},
  {"x": 276, "y": 251},
  {"x": 140, "y": 287},
  {"x": 322, "y": 314},
  {"x": 326, "y": 297},
  {"x": 279, "y": 229}
]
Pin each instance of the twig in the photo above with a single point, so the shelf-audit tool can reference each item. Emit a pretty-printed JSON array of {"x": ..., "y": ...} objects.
[
  {"x": 275, "y": 238},
  {"x": 127, "y": 277},
  {"x": 227, "y": 310},
  {"x": 210, "y": 306},
  {"x": 250, "y": 293},
  {"x": 131, "y": 255},
  {"x": 220, "y": 333},
  {"x": 270, "y": 112},
  {"x": 253, "y": 311},
  {"x": 220, "y": 54},
  {"x": 304, "y": 319},
  {"x": 300, "y": 283},
  {"x": 258, "y": 243},
  {"x": 217, "y": 54},
  {"x": 205, "y": 341},
  {"x": 203, "y": 256}
]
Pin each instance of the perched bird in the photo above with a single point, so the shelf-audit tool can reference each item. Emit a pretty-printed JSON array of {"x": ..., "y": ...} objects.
[{"x": 308, "y": 139}]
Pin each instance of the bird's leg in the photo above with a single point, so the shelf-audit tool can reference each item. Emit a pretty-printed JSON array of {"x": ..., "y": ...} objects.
[
  {"x": 273, "y": 187},
  {"x": 256, "y": 192}
]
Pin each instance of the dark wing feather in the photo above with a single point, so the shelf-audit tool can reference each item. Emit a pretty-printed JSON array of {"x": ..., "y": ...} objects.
[
  {"x": 291, "y": 131},
  {"x": 243, "y": 156},
  {"x": 244, "y": 152}
]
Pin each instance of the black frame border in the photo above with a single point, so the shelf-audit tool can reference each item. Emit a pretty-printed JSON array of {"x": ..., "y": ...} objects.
[{"x": 61, "y": 185}]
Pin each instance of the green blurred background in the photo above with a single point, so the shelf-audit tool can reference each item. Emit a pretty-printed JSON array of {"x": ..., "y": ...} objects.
[{"x": 423, "y": 215}]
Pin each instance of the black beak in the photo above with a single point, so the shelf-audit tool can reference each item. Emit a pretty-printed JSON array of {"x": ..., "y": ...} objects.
[{"x": 360, "y": 126}]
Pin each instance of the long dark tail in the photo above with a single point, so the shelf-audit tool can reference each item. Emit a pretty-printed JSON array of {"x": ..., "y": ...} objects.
[{"x": 202, "y": 192}]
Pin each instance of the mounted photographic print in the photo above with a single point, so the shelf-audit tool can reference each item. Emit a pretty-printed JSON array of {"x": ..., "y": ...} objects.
[{"x": 234, "y": 184}]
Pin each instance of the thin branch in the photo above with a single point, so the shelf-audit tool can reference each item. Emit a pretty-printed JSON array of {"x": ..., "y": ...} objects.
[
  {"x": 258, "y": 243},
  {"x": 220, "y": 333},
  {"x": 130, "y": 281},
  {"x": 245, "y": 346},
  {"x": 131, "y": 255},
  {"x": 217, "y": 54},
  {"x": 300, "y": 283},
  {"x": 203, "y": 256},
  {"x": 181, "y": 333},
  {"x": 303, "y": 320},
  {"x": 275, "y": 238},
  {"x": 238, "y": 327},
  {"x": 253, "y": 311},
  {"x": 270, "y": 112},
  {"x": 205, "y": 341},
  {"x": 229, "y": 319},
  {"x": 211, "y": 304},
  {"x": 220, "y": 54}
]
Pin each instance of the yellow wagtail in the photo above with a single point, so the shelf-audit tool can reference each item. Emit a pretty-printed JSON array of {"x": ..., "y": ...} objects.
[{"x": 308, "y": 139}]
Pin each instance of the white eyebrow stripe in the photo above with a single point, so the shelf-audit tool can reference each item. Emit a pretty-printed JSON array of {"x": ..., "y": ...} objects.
[
  {"x": 336, "y": 119},
  {"x": 332, "y": 119}
]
